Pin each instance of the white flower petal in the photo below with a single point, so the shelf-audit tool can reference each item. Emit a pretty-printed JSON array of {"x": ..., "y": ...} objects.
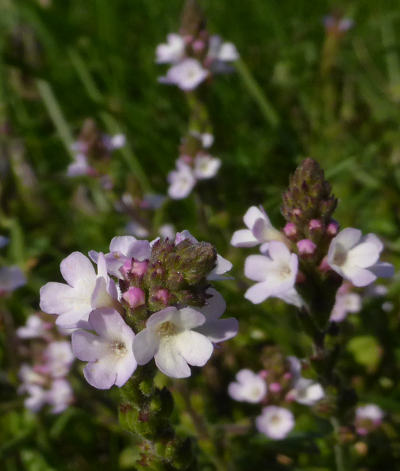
[
  {"x": 194, "y": 347},
  {"x": 243, "y": 238},
  {"x": 86, "y": 346},
  {"x": 77, "y": 270},
  {"x": 145, "y": 346},
  {"x": 169, "y": 361}
]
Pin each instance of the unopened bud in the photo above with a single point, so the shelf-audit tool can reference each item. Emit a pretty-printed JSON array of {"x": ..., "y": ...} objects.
[
  {"x": 139, "y": 268},
  {"x": 134, "y": 297},
  {"x": 290, "y": 230},
  {"x": 332, "y": 228},
  {"x": 306, "y": 247},
  {"x": 275, "y": 387},
  {"x": 126, "y": 268},
  {"x": 162, "y": 295},
  {"x": 315, "y": 225}
]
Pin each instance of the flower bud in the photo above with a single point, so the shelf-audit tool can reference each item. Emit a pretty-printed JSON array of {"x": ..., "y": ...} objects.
[
  {"x": 275, "y": 387},
  {"x": 332, "y": 228},
  {"x": 290, "y": 230},
  {"x": 134, "y": 297},
  {"x": 306, "y": 247},
  {"x": 139, "y": 268}
]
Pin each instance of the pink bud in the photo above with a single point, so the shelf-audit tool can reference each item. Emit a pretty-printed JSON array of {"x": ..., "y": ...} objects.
[
  {"x": 126, "y": 268},
  {"x": 275, "y": 387},
  {"x": 287, "y": 376},
  {"x": 134, "y": 297},
  {"x": 198, "y": 45},
  {"x": 297, "y": 212},
  {"x": 315, "y": 225},
  {"x": 290, "y": 230},
  {"x": 139, "y": 268},
  {"x": 306, "y": 247},
  {"x": 162, "y": 295},
  {"x": 332, "y": 228}
]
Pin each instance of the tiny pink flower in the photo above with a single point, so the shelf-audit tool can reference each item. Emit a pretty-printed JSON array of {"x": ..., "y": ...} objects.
[{"x": 306, "y": 247}]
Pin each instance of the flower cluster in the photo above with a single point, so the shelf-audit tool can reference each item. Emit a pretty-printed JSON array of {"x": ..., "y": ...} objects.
[
  {"x": 45, "y": 383},
  {"x": 274, "y": 387},
  {"x": 92, "y": 152},
  {"x": 309, "y": 246},
  {"x": 147, "y": 300},
  {"x": 194, "y": 164},
  {"x": 194, "y": 58},
  {"x": 368, "y": 418}
]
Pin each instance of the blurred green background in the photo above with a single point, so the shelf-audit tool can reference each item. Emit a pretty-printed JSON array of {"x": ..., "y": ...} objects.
[{"x": 298, "y": 91}]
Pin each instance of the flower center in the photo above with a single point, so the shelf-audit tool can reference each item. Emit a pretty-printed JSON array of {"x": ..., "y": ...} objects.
[
  {"x": 340, "y": 255},
  {"x": 118, "y": 348},
  {"x": 275, "y": 419},
  {"x": 284, "y": 271},
  {"x": 167, "y": 329}
]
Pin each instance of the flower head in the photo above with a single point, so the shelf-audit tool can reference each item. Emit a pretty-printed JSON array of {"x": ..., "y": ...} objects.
[
  {"x": 355, "y": 258},
  {"x": 275, "y": 422},
  {"x": 187, "y": 75},
  {"x": 249, "y": 387},
  {"x": 109, "y": 353}
]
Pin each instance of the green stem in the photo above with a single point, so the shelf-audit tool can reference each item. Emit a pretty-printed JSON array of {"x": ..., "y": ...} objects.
[{"x": 339, "y": 449}]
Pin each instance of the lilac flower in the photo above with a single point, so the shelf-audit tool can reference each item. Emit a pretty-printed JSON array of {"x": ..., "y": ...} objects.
[
  {"x": 58, "y": 358},
  {"x": 181, "y": 181},
  {"x": 205, "y": 166},
  {"x": 114, "y": 142},
  {"x": 368, "y": 418},
  {"x": 216, "y": 329},
  {"x": 59, "y": 396},
  {"x": 275, "y": 272},
  {"x": 36, "y": 399},
  {"x": 345, "y": 302},
  {"x": 172, "y": 51},
  {"x": 275, "y": 422},
  {"x": 79, "y": 166},
  {"x": 109, "y": 354},
  {"x": 260, "y": 230},
  {"x": 222, "y": 50},
  {"x": 249, "y": 387},
  {"x": 206, "y": 139},
  {"x": 355, "y": 258},
  {"x": 35, "y": 327},
  {"x": 84, "y": 292},
  {"x": 137, "y": 229},
  {"x": 123, "y": 249},
  {"x": 11, "y": 278},
  {"x": 170, "y": 338},
  {"x": 187, "y": 75},
  {"x": 305, "y": 391}
]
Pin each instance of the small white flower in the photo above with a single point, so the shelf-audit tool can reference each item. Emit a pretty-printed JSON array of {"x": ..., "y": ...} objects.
[
  {"x": 275, "y": 422},
  {"x": 307, "y": 392},
  {"x": 187, "y": 75},
  {"x": 205, "y": 166},
  {"x": 371, "y": 412},
  {"x": 59, "y": 396},
  {"x": 276, "y": 273},
  {"x": 169, "y": 338},
  {"x": 181, "y": 181},
  {"x": 79, "y": 166},
  {"x": 109, "y": 354},
  {"x": 172, "y": 51},
  {"x": 167, "y": 231},
  {"x": 260, "y": 230},
  {"x": 249, "y": 387},
  {"x": 222, "y": 51},
  {"x": 355, "y": 258},
  {"x": 117, "y": 141}
]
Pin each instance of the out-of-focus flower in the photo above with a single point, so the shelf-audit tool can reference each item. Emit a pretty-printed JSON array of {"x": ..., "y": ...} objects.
[
  {"x": 181, "y": 180},
  {"x": 172, "y": 51},
  {"x": 60, "y": 395},
  {"x": 275, "y": 422},
  {"x": 249, "y": 387},
  {"x": 205, "y": 166},
  {"x": 260, "y": 230},
  {"x": 35, "y": 327},
  {"x": 79, "y": 166},
  {"x": 275, "y": 272},
  {"x": 337, "y": 25},
  {"x": 345, "y": 302},
  {"x": 307, "y": 392},
  {"x": 11, "y": 278},
  {"x": 3, "y": 241},
  {"x": 368, "y": 418},
  {"x": 167, "y": 231},
  {"x": 84, "y": 292},
  {"x": 109, "y": 354},
  {"x": 169, "y": 338},
  {"x": 355, "y": 258},
  {"x": 58, "y": 358},
  {"x": 187, "y": 75}
]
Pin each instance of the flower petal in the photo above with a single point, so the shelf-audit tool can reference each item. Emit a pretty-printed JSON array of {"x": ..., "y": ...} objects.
[
  {"x": 145, "y": 346},
  {"x": 125, "y": 368},
  {"x": 122, "y": 244},
  {"x": 258, "y": 293},
  {"x": 219, "y": 330},
  {"x": 244, "y": 238},
  {"x": 108, "y": 323},
  {"x": 101, "y": 374},
  {"x": 86, "y": 346},
  {"x": 215, "y": 305},
  {"x": 347, "y": 238},
  {"x": 170, "y": 362},
  {"x": 77, "y": 270},
  {"x": 257, "y": 267},
  {"x": 194, "y": 347},
  {"x": 187, "y": 318},
  {"x": 254, "y": 213}
]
